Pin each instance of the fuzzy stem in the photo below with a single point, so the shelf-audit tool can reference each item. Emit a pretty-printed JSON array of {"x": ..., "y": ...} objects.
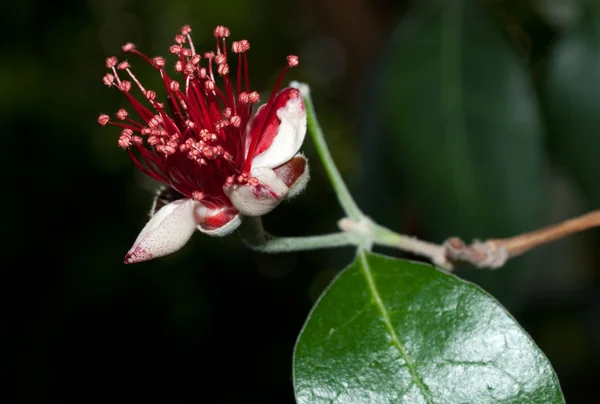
[
  {"x": 346, "y": 201},
  {"x": 289, "y": 244},
  {"x": 257, "y": 239},
  {"x": 388, "y": 238}
]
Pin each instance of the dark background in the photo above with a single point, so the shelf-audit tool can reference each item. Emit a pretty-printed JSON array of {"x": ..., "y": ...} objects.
[{"x": 216, "y": 322}]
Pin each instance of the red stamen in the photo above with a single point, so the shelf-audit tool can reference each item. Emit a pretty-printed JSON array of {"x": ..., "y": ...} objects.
[{"x": 197, "y": 145}]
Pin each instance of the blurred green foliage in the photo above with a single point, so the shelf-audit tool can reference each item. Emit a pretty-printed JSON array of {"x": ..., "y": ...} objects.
[{"x": 216, "y": 322}]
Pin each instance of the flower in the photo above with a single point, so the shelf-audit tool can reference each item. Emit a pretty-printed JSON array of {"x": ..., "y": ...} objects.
[{"x": 205, "y": 144}]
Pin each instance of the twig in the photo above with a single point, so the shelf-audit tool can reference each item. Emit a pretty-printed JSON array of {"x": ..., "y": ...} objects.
[
  {"x": 494, "y": 253},
  {"x": 346, "y": 201}
]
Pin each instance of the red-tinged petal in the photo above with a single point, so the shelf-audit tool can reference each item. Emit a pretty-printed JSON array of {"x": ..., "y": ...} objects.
[
  {"x": 166, "y": 232},
  {"x": 294, "y": 174},
  {"x": 283, "y": 127},
  {"x": 261, "y": 198},
  {"x": 217, "y": 222}
]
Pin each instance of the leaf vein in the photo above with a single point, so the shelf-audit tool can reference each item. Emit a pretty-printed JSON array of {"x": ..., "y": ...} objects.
[{"x": 366, "y": 270}]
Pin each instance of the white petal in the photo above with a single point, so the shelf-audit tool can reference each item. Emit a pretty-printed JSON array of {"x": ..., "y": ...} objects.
[
  {"x": 166, "y": 232},
  {"x": 289, "y": 138},
  {"x": 259, "y": 199}
]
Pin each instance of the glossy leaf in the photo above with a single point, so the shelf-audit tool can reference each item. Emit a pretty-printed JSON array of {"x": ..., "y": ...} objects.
[
  {"x": 464, "y": 128},
  {"x": 573, "y": 101},
  {"x": 395, "y": 331}
]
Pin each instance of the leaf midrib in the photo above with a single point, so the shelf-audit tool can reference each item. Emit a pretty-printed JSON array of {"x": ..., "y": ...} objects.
[{"x": 366, "y": 270}]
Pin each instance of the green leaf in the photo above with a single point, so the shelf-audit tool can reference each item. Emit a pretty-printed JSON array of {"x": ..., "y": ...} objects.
[
  {"x": 394, "y": 331},
  {"x": 464, "y": 124},
  {"x": 573, "y": 102}
]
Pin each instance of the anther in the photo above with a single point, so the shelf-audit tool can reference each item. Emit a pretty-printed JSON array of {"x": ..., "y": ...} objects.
[
  {"x": 221, "y": 31},
  {"x": 153, "y": 140},
  {"x": 292, "y": 60},
  {"x": 253, "y": 97},
  {"x": 197, "y": 195},
  {"x": 124, "y": 141},
  {"x": 236, "y": 121},
  {"x": 155, "y": 121},
  {"x": 108, "y": 79},
  {"x": 103, "y": 119},
  {"x": 125, "y": 86},
  {"x": 111, "y": 62},
  {"x": 122, "y": 114},
  {"x": 220, "y": 58},
  {"x": 123, "y": 65},
  {"x": 240, "y": 46},
  {"x": 158, "y": 62},
  {"x": 223, "y": 69},
  {"x": 195, "y": 59},
  {"x": 128, "y": 47},
  {"x": 186, "y": 29},
  {"x": 189, "y": 69}
]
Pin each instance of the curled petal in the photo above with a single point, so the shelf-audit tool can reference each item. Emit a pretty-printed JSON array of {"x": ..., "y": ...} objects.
[
  {"x": 294, "y": 174},
  {"x": 217, "y": 222},
  {"x": 166, "y": 232},
  {"x": 260, "y": 198},
  {"x": 283, "y": 132}
]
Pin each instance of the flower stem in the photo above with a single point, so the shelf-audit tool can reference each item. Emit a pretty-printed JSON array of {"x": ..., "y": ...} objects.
[
  {"x": 256, "y": 238},
  {"x": 346, "y": 201},
  {"x": 388, "y": 238},
  {"x": 289, "y": 244}
]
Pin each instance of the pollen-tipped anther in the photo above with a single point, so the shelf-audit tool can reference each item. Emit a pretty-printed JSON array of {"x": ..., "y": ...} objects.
[
  {"x": 122, "y": 114},
  {"x": 253, "y": 97},
  {"x": 223, "y": 69},
  {"x": 186, "y": 29},
  {"x": 125, "y": 86},
  {"x": 108, "y": 79},
  {"x": 221, "y": 31},
  {"x": 128, "y": 47},
  {"x": 235, "y": 121},
  {"x": 197, "y": 195},
  {"x": 292, "y": 60},
  {"x": 158, "y": 62},
  {"x": 240, "y": 46},
  {"x": 220, "y": 58},
  {"x": 103, "y": 119},
  {"x": 111, "y": 62}
]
